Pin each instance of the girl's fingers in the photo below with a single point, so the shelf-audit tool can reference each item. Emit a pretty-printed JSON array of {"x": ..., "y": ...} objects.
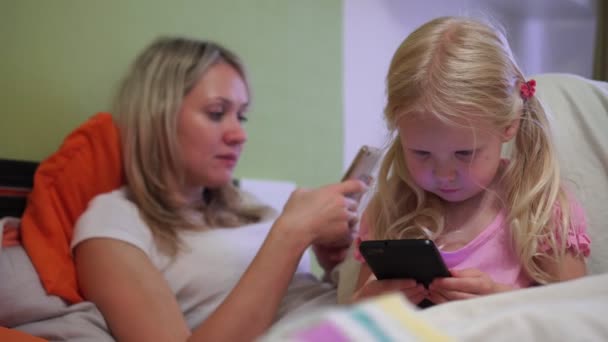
[
  {"x": 457, "y": 295},
  {"x": 446, "y": 296},
  {"x": 474, "y": 285},
  {"x": 416, "y": 294},
  {"x": 416, "y": 299},
  {"x": 436, "y": 297},
  {"x": 374, "y": 286}
]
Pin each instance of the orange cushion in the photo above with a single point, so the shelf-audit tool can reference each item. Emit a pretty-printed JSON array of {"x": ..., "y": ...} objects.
[
  {"x": 17, "y": 336},
  {"x": 88, "y": 163}
]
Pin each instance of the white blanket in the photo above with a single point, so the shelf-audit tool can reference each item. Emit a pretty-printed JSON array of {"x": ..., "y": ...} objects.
[{"x": 569, "y": 311}]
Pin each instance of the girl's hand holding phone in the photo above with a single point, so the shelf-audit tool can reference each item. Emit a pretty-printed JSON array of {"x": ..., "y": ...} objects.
[
  {"x": 415, "y": 292},
  {"x": 463, "y": 284}
]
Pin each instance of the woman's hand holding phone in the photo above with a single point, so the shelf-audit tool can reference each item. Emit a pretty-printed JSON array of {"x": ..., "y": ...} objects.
[
  {"x": 362, "y": 167},
  {"x": 330, "y": 254}
]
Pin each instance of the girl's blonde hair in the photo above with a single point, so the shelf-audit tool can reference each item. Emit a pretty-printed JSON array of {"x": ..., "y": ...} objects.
[
  {"x": 463, "y": 69},
  {"x": 147, "y": 104}
]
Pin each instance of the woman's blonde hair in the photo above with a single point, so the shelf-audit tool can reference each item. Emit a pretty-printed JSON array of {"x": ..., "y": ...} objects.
[
  {"x": 463, "y": 69},
  {"x": 147, "y": 104}
]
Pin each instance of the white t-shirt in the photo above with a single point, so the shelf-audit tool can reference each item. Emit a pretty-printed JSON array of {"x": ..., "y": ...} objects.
[{"x": 210, "y": 264}]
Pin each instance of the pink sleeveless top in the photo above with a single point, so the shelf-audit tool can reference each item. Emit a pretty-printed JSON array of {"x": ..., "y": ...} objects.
[{"x": 491, "y": 250}]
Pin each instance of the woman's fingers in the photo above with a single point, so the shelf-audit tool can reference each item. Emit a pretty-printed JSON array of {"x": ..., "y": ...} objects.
[
  {"x": 350, "y": 186},
  {"x": 325, "y": 212}
]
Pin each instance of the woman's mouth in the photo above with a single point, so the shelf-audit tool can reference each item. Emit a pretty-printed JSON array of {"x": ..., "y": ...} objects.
[{"x": 228, "y": 160}]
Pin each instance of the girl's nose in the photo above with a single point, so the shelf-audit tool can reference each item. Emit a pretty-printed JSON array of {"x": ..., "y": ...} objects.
[{"x": 445, "y": 173}]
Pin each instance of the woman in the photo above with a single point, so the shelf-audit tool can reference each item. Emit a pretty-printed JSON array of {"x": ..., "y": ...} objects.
[{"x": 178, "y": 254}]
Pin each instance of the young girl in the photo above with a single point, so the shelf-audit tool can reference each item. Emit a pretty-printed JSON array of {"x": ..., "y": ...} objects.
[{"x": 455, "y": 97}]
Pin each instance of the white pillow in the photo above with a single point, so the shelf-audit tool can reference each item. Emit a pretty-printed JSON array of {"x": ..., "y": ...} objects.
[
  {"x": 270, "y": 192},
  {"x": 580, "y": 112}
]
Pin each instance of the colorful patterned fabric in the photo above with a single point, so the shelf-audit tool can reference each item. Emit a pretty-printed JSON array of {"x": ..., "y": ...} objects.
[{"x": 383, "y": 319}]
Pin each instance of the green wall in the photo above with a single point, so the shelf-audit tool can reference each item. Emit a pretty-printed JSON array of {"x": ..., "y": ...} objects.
[{"x": 61, "y": 61}]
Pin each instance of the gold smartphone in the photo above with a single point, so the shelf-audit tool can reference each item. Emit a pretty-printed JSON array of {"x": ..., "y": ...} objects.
[{"x": 363, "y": 166}]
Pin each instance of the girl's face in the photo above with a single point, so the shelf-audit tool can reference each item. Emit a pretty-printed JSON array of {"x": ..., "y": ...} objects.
[
  {"x": 452, "y": 161},
  {"x": 210, "y": 127}
]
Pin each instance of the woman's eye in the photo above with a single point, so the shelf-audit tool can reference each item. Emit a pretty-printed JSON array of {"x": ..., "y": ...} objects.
[
  {"x": 216, "y": 116},
  {"x": 242, "y": 118}
]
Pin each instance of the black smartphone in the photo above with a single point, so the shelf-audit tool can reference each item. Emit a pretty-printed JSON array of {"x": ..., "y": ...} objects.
[{"x": 417, "y": 259}]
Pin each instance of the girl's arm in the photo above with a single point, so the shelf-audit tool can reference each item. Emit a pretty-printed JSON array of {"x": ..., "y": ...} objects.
[
  {"x": 471, "y": 283},
  {"x": 572, "y": 267},
  {"x": 364, "y": 276},
  {"x": 138, "y": 304},
  {"x": 573, "y": 263}
]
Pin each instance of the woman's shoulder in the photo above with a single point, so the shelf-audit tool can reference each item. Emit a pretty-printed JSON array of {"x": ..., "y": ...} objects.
[
  {"x": 112, "y": 205},
  {"x": 112, "y": 199},
  {"x": 112, "y": 215}
]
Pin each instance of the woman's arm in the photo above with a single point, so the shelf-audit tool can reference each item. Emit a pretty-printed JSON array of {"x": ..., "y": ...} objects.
[
  {"x": 330, "y": 256},
  {"x": 252, "y": 305},
  {"x": 130, "y": 292},
  {"x": 138, "y": 304}
]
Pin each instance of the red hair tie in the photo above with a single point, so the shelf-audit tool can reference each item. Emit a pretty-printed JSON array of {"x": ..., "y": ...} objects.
[{"x": 527, "y": 89}]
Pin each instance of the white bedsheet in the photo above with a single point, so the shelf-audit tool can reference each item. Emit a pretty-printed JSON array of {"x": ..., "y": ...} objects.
[{"x": 570, "y": 311}]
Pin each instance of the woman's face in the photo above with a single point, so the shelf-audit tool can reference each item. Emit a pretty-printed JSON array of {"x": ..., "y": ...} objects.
[{"x": 210, "y": 128}]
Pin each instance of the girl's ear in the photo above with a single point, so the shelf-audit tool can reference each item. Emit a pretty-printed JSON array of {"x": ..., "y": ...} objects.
[{"x": 511, "y": 130}]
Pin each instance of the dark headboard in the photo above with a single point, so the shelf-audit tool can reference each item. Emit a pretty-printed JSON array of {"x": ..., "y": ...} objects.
[{"x": 16, "y": 181}]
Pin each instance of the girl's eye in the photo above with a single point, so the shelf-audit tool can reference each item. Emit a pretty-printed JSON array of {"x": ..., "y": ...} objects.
[
  {"x": 242, "y": 118},
  {"x": 421, "y": 154},
  {"x": 465, "y": 154}
]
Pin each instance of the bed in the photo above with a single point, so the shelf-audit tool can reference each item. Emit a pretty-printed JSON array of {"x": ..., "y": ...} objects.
[{"x": 573, "y": 310}]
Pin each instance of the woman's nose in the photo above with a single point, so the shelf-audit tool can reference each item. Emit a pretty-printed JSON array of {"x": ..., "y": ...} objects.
[{"x": 235, "y": 133}]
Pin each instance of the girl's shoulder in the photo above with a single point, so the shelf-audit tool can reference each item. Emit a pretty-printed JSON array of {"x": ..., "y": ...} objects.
[{"x": 574, "y": 225}]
